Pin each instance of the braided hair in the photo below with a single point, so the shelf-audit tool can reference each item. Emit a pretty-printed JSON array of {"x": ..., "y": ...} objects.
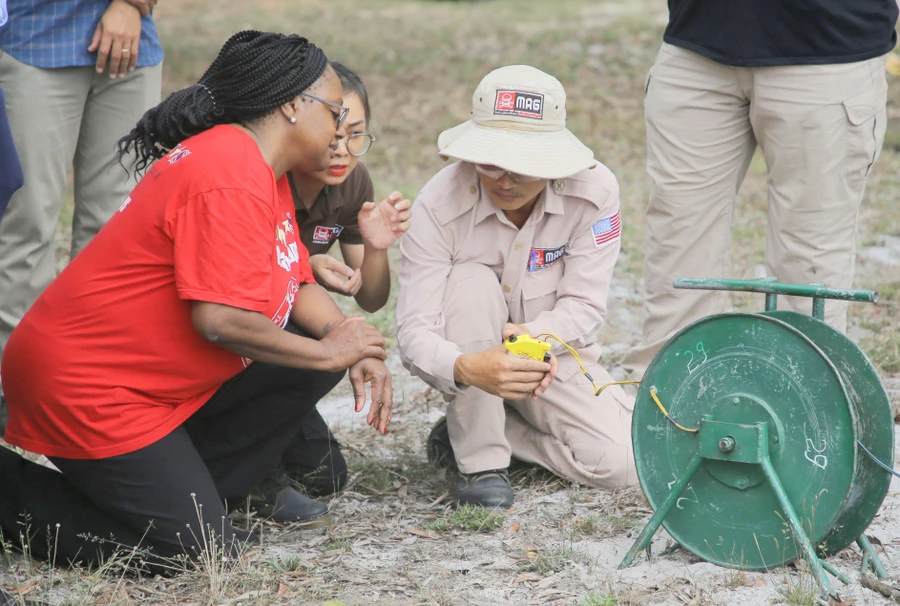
[{"x": 254, "y": 74}]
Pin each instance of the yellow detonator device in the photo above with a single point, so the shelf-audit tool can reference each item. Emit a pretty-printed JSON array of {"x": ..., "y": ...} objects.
[{"x": 527, "y": 347}]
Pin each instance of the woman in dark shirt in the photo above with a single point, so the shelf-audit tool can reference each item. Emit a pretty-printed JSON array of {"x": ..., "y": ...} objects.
[{"x": 335, "y": 205}]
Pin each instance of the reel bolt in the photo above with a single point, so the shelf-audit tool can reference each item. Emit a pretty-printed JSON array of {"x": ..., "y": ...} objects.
[
  {"x": 742, "y": 483},
  {"x": 736, "y": 400},
  {"x": 726, "y": 444}
]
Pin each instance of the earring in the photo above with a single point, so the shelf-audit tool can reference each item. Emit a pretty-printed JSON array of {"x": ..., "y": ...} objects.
[{"x": 293, "y": 120}]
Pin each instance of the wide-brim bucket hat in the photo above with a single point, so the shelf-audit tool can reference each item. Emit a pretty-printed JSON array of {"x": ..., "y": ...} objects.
[{"x": 519, "y": 124}]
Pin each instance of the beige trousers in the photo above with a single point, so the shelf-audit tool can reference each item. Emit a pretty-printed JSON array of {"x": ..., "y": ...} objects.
[
  {"x": 820, "y": 129},
  {"x": 568, "y": 430},
  {"x": 61, "y": 119}
]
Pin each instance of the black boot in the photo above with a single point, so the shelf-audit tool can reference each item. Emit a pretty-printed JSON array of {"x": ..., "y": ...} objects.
[
  {"x": 438, "y": 447},
  {"x": 488, "y": 489},
  {"x": 276, "y": 498}
]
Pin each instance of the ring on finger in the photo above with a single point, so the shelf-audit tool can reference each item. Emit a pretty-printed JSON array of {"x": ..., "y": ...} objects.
[{"x": 126, "y": 50}]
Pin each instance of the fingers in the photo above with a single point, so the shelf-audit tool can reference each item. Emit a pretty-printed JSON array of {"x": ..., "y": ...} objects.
[
  {"x": 554, "y": 366},
  {"x": 377, "y": 400},
  {"x": 387, "y": 406},
  {"x": 132, "y": 62},
  {"x": 332, "y": 282},
  {"x": 402, "y": 204},
  {"x": 528, "y": 365},
  {"x": 95, "y": 39},
  {"x": 341, "y": 268},
  {"x": 355, "y": 282},
  {"x": 374, "y": 352},
  {"x": 548, "y": 378},
  {"x": 518, "y": 391},
  {"x": 330, "y": 272},
  {"x": 358, "y": 383},
  {"x": 533, "y": 378},
  {"x": 382, "y": 400},
  {"x": 510, "y": 329},
  {"x": 103, "y": 48}
]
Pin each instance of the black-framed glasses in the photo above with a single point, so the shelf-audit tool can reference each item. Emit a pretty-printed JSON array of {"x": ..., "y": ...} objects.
[
  {"x": 359, "y": 143},
  {"x": 338, "y": 119}
]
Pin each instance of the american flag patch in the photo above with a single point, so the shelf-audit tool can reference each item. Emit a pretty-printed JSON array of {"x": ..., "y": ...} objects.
[{"x": 606, "y": 230}]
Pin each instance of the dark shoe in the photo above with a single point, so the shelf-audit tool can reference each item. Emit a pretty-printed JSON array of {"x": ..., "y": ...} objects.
[
  {"x": 488, "y": 489},
  {"x": 438, "y": 447},
  {"x": 277, "y": 499}
]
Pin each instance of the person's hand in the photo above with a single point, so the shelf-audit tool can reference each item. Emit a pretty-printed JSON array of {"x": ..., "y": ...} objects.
[
  {"x": 333, "y": 275},
  {"x": 510, "y": 330},
  {"x": 374, "y": 372},
  {"x": 381, "y": 225},
  {"x": 351, "y": 341},
  {"x": 145, "y": 6},
  {"x": 496, "y": 372},
  {"x": 116, "y": 38},
  {"x": 548, "y": 378}
]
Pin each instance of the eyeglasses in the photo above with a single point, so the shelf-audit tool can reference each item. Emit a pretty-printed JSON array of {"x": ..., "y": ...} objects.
[
  {"x": 497, "y": 173},
  {"x": 338, "y": 119},
  {"x": 359, "y": 143}
]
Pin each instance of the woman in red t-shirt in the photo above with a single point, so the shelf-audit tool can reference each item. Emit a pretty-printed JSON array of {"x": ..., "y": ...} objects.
[{"x": 154, "y": 372}]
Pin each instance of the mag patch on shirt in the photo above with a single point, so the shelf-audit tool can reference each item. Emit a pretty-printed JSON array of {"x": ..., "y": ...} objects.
[
  {"x": 606, "y": 230},
  {"x": 519, "y": 103},
  {"x": 542, "y": 258},
  {"x": 325, "y": 235}
]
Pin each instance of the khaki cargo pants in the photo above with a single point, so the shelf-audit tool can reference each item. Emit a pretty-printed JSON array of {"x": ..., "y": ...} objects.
[
  {"x": 568, "y": 430},
  {"x": 61, "y": 119},
  {"x": 820, "y": 130}
]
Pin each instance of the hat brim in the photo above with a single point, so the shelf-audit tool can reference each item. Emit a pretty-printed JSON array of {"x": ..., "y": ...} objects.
[{"x": 548, "y": 155}]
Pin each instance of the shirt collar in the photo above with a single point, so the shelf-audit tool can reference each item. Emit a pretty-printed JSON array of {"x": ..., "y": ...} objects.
[{"x": 328, "y": 201}]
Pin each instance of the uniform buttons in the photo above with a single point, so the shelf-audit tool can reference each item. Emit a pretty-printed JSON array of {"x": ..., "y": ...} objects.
[
  {"x": 517, "y": 246},
  {"x": 473, "y": 189},
  {"x": 506, "y": 288},
  {"x": 559, "y": 186}
]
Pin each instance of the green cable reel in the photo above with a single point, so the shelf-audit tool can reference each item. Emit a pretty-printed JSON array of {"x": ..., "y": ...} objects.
[{"x": 782, "y": 407}]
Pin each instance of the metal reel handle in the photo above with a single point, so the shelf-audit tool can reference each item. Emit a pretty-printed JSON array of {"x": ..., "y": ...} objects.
[{"x": 772, "y": 288}]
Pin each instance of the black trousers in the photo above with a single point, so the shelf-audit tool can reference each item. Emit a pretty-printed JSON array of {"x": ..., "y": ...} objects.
[
  {"x": 166, "y": 498},
  {"x": 314, "y": 458}
]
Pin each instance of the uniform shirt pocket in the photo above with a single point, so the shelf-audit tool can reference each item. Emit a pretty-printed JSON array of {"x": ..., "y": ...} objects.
[{"x": 539, "y": 290}]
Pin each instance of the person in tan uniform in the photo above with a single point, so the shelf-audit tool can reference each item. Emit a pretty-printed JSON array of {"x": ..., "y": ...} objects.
[
  {"x": 806, "y": 84},
  {"x": 518, "y": 237}
]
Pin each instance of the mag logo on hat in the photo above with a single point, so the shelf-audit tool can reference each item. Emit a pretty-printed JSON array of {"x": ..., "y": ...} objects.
[{"x": 519, "y": 103}]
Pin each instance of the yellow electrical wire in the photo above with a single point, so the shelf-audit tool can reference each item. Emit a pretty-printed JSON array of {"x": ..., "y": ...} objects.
[
  {"x": 666, "y": 413},
  {"x": 599, "y": 390}
]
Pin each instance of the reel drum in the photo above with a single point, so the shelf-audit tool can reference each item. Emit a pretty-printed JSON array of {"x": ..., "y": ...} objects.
[{"x": 779, "y": 403}]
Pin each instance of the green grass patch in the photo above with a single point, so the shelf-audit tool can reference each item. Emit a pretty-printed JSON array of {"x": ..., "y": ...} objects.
[
  {"x": 469, "y": 518},
  {"x": 599, "y": 599},
  {"x": 552, "y": 561},
  {"x": 336, "y": 544}
]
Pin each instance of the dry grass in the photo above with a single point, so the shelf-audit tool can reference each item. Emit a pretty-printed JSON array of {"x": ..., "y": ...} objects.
[{"x": 396, "y": 540}]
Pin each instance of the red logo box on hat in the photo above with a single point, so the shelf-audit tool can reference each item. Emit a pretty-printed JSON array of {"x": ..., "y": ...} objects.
[{"x": 518, "y": 103}]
